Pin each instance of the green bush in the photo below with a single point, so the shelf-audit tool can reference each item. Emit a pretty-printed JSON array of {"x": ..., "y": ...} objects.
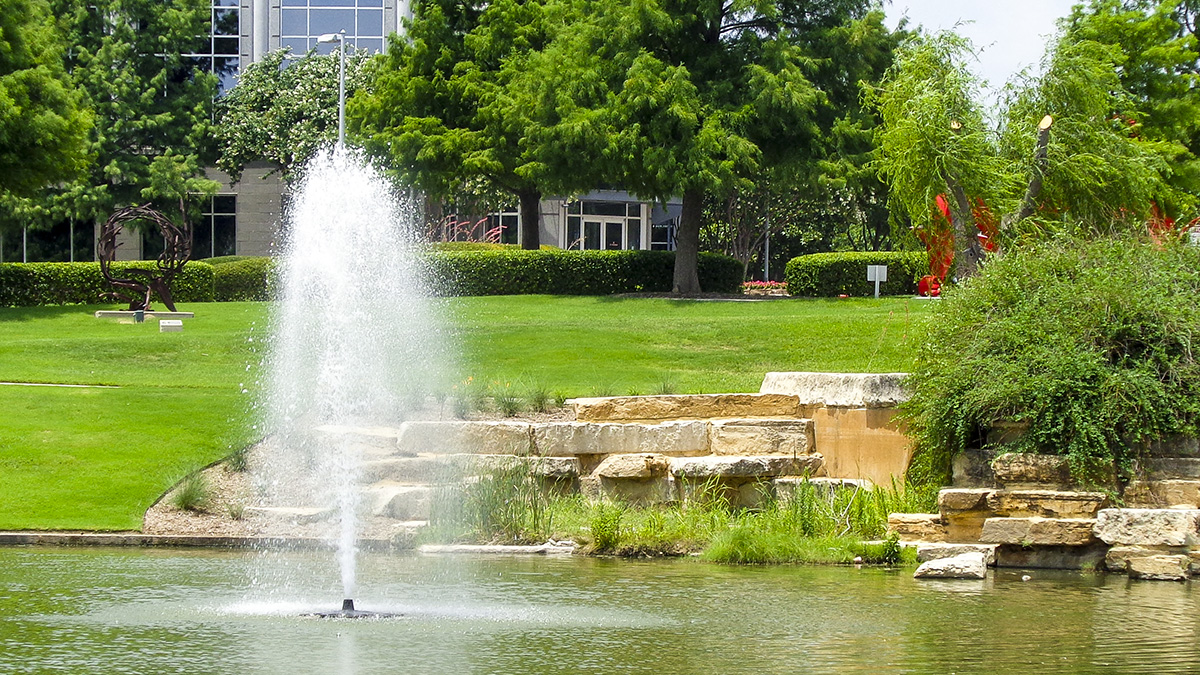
[
  {"x": 30, "y": 284},
  {"x": 1089, "y": 343},
  {"x": 244, "y": 279},
  {"x": 226, "y": 259},
  {"x": 517, "y": 272},
  {"x": 833, "y": 274}
]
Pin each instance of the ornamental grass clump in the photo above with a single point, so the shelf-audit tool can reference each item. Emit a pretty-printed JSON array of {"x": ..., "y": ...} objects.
[{"x": 1090, "y": 345}]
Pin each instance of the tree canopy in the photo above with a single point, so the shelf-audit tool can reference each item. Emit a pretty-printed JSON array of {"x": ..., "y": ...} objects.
[
  {"x": 283, "y": 109},
  {"x": 43, "y": 123}
]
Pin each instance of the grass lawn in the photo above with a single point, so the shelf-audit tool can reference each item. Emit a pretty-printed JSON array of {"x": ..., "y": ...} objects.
[{"x": 96, "y": 458}]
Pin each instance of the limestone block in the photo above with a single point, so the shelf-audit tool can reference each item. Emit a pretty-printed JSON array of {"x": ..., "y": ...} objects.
[
  {"x": 842, "y": 390},
  {"x": 1046, "y": 503},
  {"x": 968, "y": 565},
  {"x": 402, "y": 502},
  {"x": 492, "y": 438},
  {"x": 1159, "y": 568},
  {"x": 421, "y": 469},
  {"x": 973, "y": 468},
  {"x": 935, "y": 551},
  {"x": 1027, "y": 469},
  {"x": 383, "y": 438},
  {"x": 927, "y": 527},
  {"x": 1148, "y": 527},
  {"x": 638, "y": 466},
  {"x": 1163, "y": 493},
  {"x": 563, "y": 439},
  {"x": 742, "y": 469},
  {"x": 956, "y": 501},
  {"x": 550, "y": 468},
  {"x": 761, "y": 437},
  {"x": 1176, "y": 446},
  {"x": 1038, "y": 531},
  {"x": 1116, "y": 559},
  {"x": 1157, "y": 468},
  {"x": 656, "y": 490},
  {"x": 678, "y": 407}
]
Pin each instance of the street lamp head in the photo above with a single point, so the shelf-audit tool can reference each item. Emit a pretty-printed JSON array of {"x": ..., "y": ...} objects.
[{"x": 331, "y": 37}]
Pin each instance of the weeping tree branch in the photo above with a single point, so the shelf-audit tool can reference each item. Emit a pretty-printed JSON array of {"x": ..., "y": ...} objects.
[{"x": 1040, "y": 163}]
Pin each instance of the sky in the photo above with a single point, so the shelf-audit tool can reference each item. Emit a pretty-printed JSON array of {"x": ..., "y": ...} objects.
[{"x": 1010, "y": 34}]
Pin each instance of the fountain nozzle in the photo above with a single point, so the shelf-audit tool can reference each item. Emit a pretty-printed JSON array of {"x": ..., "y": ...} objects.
[{"x": 348, "y": 605}]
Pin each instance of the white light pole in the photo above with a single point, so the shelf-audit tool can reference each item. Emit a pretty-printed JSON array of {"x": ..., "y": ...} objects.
[{"x": 340, "y": 39}]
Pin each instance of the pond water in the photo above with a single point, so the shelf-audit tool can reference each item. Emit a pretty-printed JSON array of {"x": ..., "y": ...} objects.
[{"x": 156, "y": 611}]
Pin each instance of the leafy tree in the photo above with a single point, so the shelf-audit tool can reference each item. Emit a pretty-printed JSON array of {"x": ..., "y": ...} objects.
[
  {"x": 283, "y": 111},
  {"x": 152, "y": 108},
  {"x": 43, "y": 125},
  {"x": 454, "y": 101},
  {"x": 1064, "y": 157}
]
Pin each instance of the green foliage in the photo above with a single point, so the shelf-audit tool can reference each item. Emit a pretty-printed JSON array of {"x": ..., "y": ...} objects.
[
  {"x": 247, "y": 278},
  {"x": 573, "y": 272},
  {"x": 193, "y": 494},
  {"x": 605, "y": 527},
  {"x": 151, "y": 105},
  {"x": 282, "y": 113},
  {"x": 29, "y": 284},
  {"x": 505, "y": 505},
  {"x": 43, "y": 122},
  {"x": 832, "y": 274},
  {"x": 1090, "y": 343}
]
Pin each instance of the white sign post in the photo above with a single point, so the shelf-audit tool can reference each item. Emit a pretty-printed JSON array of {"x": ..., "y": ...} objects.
[{"x": 878, "y": 274}]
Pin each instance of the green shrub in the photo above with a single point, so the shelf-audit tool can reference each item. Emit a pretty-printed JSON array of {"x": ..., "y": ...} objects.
[
  {"x": 193, "y": 494},
  {"x": 1089, "y": 343},
  {"x": 833, "y": 274},
  {"x": 226, "y": 259},
  {"x": 606, "y": 527},
  {"x": 517, "y": 272},
  {"x": 30, "y": 284},
  {"x": 245, "y": 279}
]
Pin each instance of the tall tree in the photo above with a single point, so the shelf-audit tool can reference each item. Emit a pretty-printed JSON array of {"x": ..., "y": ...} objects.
[
  {"x": 283, "y": 109},
  {"x": 152, "y": 107},
  {"x": 43, "y": 124}
]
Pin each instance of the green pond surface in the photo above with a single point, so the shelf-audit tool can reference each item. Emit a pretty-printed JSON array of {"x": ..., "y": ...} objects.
[{"x": 160, "y": 611}]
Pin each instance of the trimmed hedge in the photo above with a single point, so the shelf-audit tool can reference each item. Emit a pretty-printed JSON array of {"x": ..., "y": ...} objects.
[
  {"x": 244, "y": 279},
  {"x": 833, "y": 274},
  {"x": 49, "y": 283},
  {"x": 574, "y": 272}
]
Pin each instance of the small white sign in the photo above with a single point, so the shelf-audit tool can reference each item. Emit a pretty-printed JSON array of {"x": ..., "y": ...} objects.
[
  {"x": 1195, "y": 235},
  {"x": 170, "y": 326},
  {"x": 877, "y": 273}
]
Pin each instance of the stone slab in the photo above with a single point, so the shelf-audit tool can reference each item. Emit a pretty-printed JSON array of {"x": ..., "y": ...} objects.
[
  {"x": 840, "y": 390},
  {"x": 1149, "y": 527},
  {"x": 920, "y": 527},
  {"x": 402, "y": 502},
  {"x": 1163, "y": 493},
  {"x": 684, "y": 406},
  {"x": 1038, "y": 531},
  {"x": 1051, "y": 557},
  {"x": 1158, "y": 468},
  {"x": 958, "y": 501},
  {"x": 927, "y": 551},
  {"x": 1013, "y": 468},
  {"x": 642, "y": 491},
  {"x": 560, "y": 439},
  {"x": 292, "y": 514},
  {"x": 639, "y": 466},
  {"x": 1116, "y": 559},
  {"x": 1159, "y": 568},
  {"x": 1046, "y": 503},
  {"x": 452, "y": 437},
  {"x": 966, "y": 565},
  {"x": 761, "y": 437},
  {"x": 745, "y": 468}
]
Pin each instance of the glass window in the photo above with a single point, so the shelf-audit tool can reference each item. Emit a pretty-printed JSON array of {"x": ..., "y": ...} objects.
[
  {"x": 321, "y": 21},
  {"x": 370, "y": 22},
  {"x": 612, "y": 236},
  {"x": 573, "y": 242},
  {"x": 633, "y": 234},
  {"x": 225, "y": 21},
  {"x": 591, "y": 235},
  {"x": 662, "y": 236},
  {"x": 508, "y": 229},
  {"x": 604, "y": 208},
  {"x": 298, "y": 45},
  {"x": 633, "y": 210},
  {"x": 225, "y": 45},
  {"x": 574, "y": 207},
  {"x": 369, "y": 44},
  {"x": 224, "y": 235},
  {"x": 295, "y": 22}
]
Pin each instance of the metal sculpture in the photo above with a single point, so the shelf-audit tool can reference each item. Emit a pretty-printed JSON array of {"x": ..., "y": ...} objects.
[{"x": 177, "y": 248}]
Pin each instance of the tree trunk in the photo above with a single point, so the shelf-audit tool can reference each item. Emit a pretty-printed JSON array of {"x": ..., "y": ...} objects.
[
  {"x": 967, "y": 251},
  {"x": 687, "y": 244},
  {"x": 531, "y": 202},
  {"x": 1040, "y": 164}
]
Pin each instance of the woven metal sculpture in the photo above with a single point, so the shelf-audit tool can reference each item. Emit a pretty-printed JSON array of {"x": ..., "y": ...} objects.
[{"x": 177, "y": 248}]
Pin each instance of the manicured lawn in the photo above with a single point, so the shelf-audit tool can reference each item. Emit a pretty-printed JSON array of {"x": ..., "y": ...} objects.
[{"x": 97, "y": 458}]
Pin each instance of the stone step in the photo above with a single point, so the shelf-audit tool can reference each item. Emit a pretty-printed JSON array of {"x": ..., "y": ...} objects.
[
  {"x": 1163, "y": 493},
  {"x": 927, "y": 551},
  {"x": 682, "y": 407},
  {"x": 401, "y": 502},
  {"x": 292, "y": 514},
  {"x": 917, "y": 527},
  {"x": 761, "y": 437},
  {"x": 982, "y": 503},
  {"x": 742, "y": 469},
  {"x": 1026, "y": 532},
  {"x": 839, "y": 390},
  {"x": 1149, "y": 527},
  {"x": 1016, "y": 470},
  {"x": 1160, "y": 568},
  {"x": 567, "y": 439},
  {"x": 456, "y": 438},
  {"x": 426, "y": 469},
  {"x": 1117, "y": 558}
]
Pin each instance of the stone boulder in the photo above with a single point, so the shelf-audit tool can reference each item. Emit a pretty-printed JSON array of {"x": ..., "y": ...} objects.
[
  {"x": 682, "y": 407},
  {"x": 761, "y": 437},
  {"x": 1017, "y": 469},
  {"x": 968, "y": 565},
  {"x": 1159, "y": 568},
  {"x": 839, "y": 390},
  {"x": 917, "y": 527},
  {"x": 927, "y": 551},
  {"x": 638, "y": 466},
  {"x": 1148, "y": 527},
  {"x": 1038, "y": 531}
]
